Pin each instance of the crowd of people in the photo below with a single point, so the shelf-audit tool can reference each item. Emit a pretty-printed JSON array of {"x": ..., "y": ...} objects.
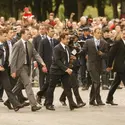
[{"x": 91, "y": 49}]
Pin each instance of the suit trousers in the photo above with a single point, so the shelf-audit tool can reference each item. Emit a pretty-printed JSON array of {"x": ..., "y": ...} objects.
[
  {"x": 45, "y": 86},
  {"x": 74, "y": 85},
  {"x": 95, "y": 89},
  {"x": 43, "y": 79},
  {"x": 4, "y": 80},
  {"x": 120, "y": 76},
  {"x": 1, "y": 91},
  {"x": 16, "y": 87},
  {"x": 67, "y": 88},
  {"x": 24, "y": 77}
]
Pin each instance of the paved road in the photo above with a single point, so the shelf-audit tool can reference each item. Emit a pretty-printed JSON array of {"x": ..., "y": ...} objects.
[{"x": 88, "y": 115}]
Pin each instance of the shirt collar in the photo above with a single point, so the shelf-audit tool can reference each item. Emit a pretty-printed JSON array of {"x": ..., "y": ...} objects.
[
  {"x": 49, "y": 38},
  {"x": 8, "y": 41},
  {"x": 62, "y": 45},
  {"x": 23, "y": 40},
  {"x": 123, "y": 41}
]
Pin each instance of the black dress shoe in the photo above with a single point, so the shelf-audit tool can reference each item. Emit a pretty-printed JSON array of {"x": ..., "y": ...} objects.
[
  {"x": 105, "y": 87},
  {"x": 25, "y": 104},
  {"x": 8, "y": 105},
  {"x": 38, "y": 99},
  {"x": 63, "y": 103},
  {"x": 18, "y": 107},
  {"x": 25, "y": 99},
  {"x": 72, "y": 107},
  {"x": 93, "y": 103},
  {"x": 111, "y": 102},
  {"x": 81, "y": 104},
  {"x": 35, "y": 108},
  {"x": 101, "y": 103},
  {"x": 119, "y": 87},
  {"x": 50, "y": 107}
]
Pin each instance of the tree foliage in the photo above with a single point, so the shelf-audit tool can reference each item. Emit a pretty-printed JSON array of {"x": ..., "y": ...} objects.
[{"x": 41, "y": 8}]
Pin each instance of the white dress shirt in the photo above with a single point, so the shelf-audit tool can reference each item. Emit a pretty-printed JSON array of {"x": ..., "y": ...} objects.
[
  {"x": 64, "y": 47},
  {"x": 25, "y": 49},
  {"x": 10, "y": 50}
]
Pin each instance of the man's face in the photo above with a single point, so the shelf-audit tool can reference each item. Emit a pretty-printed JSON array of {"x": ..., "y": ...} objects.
[
  {"x": 10, "y": 34},
  {"x": 66, "y": 40},
  {"x": 106, "y": 35},
  {"x": 98, "y": 34},
  {"x": 51, "y": 32},
  {"x": 42, "y": 30},
  {"x": 27, "y": 35},
  {"x": 123, "y": 34}
]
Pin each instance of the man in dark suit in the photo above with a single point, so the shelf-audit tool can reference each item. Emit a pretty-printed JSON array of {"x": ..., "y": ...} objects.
[
  {"x": 36, "y": 42},
  {"x": 60, "y": 70},
  {"x": 117, "y": 60},
  {"x": 4, "y": 79},
  {"x": 38, "y": 39},
  {"x": 46, "y": 51},
  {"x": 96, "y": 50},
  {"x": 22, "y": 53},
  {"x": 85, "y": 77}
]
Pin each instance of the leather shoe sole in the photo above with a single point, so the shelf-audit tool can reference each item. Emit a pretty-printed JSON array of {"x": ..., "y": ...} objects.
[
  {"x": 8, "y": 105},
  {"x": 111, "y": 103},
  {"x": 50, "y": 108}
]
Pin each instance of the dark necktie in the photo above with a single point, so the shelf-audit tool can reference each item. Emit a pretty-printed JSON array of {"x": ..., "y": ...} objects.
[
  {"x": 97, "y": 46},
  {"x": 2, "y": 55},
  {"x": 27, "y": 55},
  {"x": 51, "y": 42},
  {"x": 66, "y": 50}
]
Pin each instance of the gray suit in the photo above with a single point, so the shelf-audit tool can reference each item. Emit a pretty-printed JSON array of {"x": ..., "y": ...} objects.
[
  {"x": 23, "y": 71},
  {"x": 94, "y": 66}
]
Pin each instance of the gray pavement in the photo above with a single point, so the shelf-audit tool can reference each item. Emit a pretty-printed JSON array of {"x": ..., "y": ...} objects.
[{"x": 88, "y": 115}]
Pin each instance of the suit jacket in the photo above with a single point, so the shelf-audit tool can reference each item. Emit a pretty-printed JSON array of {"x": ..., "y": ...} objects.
[
  {"x": 45, "y": 51},
  {"x": 117, "y": 54},
  {"x": 59, "y": 63},
  {"x": 1, "y": 55},
  {"x": 7, "y": 54},
  {"x": 94, "y": 61},
  {"x": 36, "y": 42},
  {"x": 19, "y": 54}
]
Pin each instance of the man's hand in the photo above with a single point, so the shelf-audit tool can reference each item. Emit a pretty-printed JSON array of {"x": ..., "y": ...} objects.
[
  {"x": 1, "y": 68},
  {"x": 72, "y": 57},
  {"x": 86, "y": 57},
  {"x": 13, "y": 75},
  {"x": 44, "y": 69},
  {"x": 100, "y": 53},
  {"x": 69, "y": 71},
  {"x": 108, "y": 69}
]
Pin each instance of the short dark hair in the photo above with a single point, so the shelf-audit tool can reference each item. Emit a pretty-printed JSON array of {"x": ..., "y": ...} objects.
[
  {"x": 23, "y": 30},
  {"x": 63, "y": 35},
  {"x": 97, "y": 28}
]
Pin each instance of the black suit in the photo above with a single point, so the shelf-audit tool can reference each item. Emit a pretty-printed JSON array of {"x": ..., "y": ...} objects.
[
  {"x": 45, "y": 51},
  {"x": 57, "y": 72},
  {"x": 4, "y": 80},
  {"x": 7, "y": 67},
  {"x": 36, "y": 41},
  {"x": 117, "y": 54}
]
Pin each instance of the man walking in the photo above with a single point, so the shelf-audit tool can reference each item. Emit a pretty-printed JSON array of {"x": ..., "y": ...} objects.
[{"x": 22, "y": 53}]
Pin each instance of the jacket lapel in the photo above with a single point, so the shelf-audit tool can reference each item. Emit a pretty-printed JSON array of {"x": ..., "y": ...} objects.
[
  {"x": 93, "y": 44},
  {"x": 22, "y": 46}
]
